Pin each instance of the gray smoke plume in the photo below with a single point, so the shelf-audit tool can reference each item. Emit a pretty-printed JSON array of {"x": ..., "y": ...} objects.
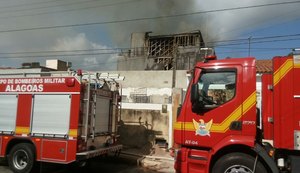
[
  {"x": 212, "y": 17},
  {"x": 207, "y": 16}
]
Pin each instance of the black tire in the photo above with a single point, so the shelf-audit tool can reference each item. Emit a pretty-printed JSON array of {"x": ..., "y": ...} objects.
[
  {"x": 237, "y": 162},
  {"x": 79, "y": 166},
  {"x": 21, "y": 158},
  {"x": 82, "y": 164}
]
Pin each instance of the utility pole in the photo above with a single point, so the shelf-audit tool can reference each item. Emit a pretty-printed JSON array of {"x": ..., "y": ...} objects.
[
  {"x": 174, "y": 66},
  {"x": 249, "y": 48}
]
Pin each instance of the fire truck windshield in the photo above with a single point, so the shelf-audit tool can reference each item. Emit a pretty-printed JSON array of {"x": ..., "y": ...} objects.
[{"x": 216, "y": 87}]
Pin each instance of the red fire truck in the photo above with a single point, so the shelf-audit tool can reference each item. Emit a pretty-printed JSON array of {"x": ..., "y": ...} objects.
[
  {"x": 58, "y": 118},
  {"x": 219, "y": 128}
]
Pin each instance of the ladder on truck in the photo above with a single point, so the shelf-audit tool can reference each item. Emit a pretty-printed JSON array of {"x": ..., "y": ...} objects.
[{"x": 96, "y": 80}]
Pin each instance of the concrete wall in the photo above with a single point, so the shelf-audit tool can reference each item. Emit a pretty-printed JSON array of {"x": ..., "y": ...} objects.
[
  {"x": 152, "y": 79},
  {"x": 156, "y": 118},
  {"x": 152, "y": 95},
  {"x": 152, "y": 117},
  {"x": 138, "y": 44}
]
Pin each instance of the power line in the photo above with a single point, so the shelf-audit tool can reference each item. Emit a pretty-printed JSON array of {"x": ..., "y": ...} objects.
[
  {"x": 276, "y": 36},
  {"x": 245, "y": 51},
  {"x": 258, "y": 42},
  {"x": 28, "y": 4},
  {"x": 58, "y": 51},
  {"x": 224, "y": 44},
  {"x": 69, "y": 10},
  {"x": 114, "y": 52},
  {"x": 254, "y": 38},
  {"x": 258, "y": 48},
  {"x": 111, "y": 62},
  {"x": 58, "y": 55},
  {"x": 275, "y": 18},
  {"x": 148, "y": 18},
  {"x": 50, "y": 6},
  {"x": 60, "y": 5}
]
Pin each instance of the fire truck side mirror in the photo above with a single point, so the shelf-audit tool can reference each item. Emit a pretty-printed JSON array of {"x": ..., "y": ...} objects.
[
  {"x": 196, "y": 99},
  {"x": 179, "y": 110},
  {"x": 194, "y": 93}
]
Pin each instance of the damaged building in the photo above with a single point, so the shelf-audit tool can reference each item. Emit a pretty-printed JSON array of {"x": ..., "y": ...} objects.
[
  {"x": 162, "y": 52},
  {"x": 155, "y": 70}
]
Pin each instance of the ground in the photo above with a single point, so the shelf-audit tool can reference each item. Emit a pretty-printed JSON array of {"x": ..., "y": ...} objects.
[{"x": 130, "y": 161}]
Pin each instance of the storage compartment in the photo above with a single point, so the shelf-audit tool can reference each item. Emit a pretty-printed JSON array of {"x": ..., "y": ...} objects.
[
  {"x": 54, "y": 150},
  {"x": 8, "y": 107},
  {"x": 51, "y": 115}
]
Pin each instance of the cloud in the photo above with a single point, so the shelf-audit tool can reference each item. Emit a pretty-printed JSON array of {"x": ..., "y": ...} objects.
[
  {"x": 61, "y": 44},
  {"x": 92, "y": 56}
]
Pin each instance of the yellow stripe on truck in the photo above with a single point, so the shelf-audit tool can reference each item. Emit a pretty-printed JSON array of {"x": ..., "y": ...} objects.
[
  {"x": 22, "y": 130},
  {"x": 224, "y": 126},
  {"x": 73, "y": 132},
  {"x": 296, "y": 65},
  {"x": 282, "y": 71}
]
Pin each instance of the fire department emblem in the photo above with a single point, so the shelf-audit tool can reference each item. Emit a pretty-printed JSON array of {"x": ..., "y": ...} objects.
[{"x": 202, "y": 128}]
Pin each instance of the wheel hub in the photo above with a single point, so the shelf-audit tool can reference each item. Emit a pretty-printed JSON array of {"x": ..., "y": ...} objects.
[
  {"x": 238, "y": 169},
  {"x": 20, "y": 159}
]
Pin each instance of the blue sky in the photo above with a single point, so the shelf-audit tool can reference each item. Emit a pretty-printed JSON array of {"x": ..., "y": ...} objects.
[
  {"x": 266, "y": 48},
  {"x": 117, "y": 19}
]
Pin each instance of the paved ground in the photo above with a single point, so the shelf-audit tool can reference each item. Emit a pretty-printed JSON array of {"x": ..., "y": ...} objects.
[
  {"x": 3, "y": 166},
  {"x": 109, "y": 164},
  {"x": 159, "y": 161},
  {"x": 128, "y": 162}
]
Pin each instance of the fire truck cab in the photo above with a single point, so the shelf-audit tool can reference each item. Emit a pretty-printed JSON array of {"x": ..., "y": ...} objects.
[
  {"x": 219, "y": 128},
  {"x": 57, "y": 117}
]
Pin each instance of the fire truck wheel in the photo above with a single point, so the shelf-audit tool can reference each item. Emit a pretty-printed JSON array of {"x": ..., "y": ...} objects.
[
  {"x": 79, "y": 166},
  {"x": 82, "y": 164},
  {"x": 21, "y": 158},
  {"x": 237, "y": 162}
]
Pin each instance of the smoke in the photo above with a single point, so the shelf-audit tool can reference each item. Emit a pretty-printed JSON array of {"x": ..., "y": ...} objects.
[
  {"x": 214, "y": 24},
  {"x": 230, "y": 24},
  {"x": 205, "y": 15}
]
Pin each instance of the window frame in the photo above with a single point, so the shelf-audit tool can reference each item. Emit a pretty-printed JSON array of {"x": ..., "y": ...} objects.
[{"x": 220, "y": 70}]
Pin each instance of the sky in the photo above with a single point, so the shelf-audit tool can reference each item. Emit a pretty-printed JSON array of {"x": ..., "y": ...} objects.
[{"x": 90, "y": 33}]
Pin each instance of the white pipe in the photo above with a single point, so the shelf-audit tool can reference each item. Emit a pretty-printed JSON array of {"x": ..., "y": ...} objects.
[{"x": 170, "y": 125}]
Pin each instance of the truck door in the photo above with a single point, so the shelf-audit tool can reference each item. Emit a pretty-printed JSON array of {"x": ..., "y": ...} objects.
[
  {"x": 267, "y": 106},
  {"x": 222, "y": 105}
]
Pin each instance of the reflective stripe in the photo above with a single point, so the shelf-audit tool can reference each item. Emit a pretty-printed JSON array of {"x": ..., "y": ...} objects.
[
  {"x": 224, "y": 126},
  {"x": 73, "y": 132},
  {"x": 282, "y": 71},
  {"x": 22, "y": 130},
  {"x": 296, "y": 65}
]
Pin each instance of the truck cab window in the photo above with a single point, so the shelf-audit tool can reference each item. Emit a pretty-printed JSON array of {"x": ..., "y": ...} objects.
[{"x": 217, "y": 88}]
